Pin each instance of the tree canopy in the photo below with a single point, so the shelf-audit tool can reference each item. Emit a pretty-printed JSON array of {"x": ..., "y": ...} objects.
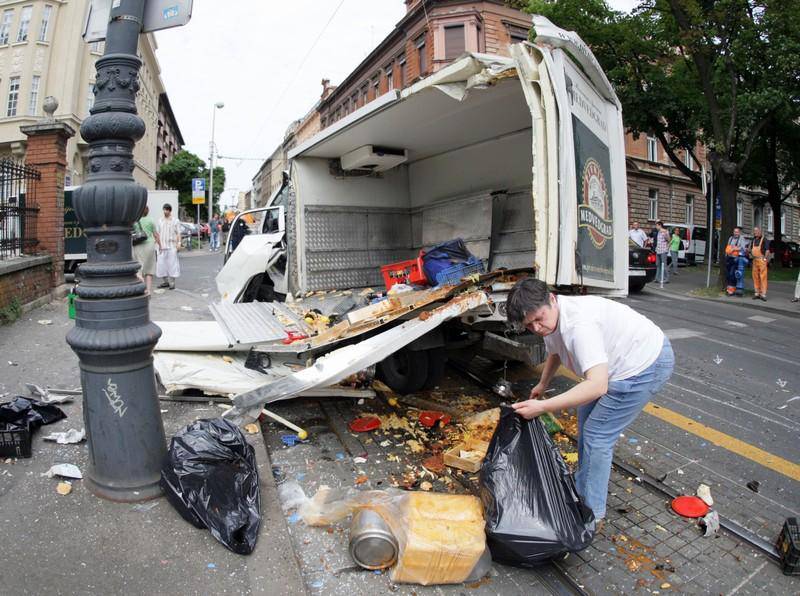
[
  {"x": 715, "y": 71},
  {"x": 177, "y": 174}
]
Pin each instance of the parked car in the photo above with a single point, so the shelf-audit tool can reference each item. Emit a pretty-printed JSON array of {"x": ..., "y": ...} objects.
[
  {"x": 641, "y": 266},
  {"x": 693, "y": 249},
  {"x": 204, "y": 231},
  {"x": 785, "y": 253}
]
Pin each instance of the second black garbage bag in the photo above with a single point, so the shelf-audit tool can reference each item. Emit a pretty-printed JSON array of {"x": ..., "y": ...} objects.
[
  {"x": 210, "y": 476},
  {"x": 533, "y": 512}
]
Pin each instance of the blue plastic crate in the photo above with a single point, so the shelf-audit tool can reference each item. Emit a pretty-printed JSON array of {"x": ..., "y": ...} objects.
[{"x": 452, "y": 275}]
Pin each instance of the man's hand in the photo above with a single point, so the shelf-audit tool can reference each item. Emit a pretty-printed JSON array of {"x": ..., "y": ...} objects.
[
  {"x": 530, "y": 408},
  {"x": 538, "y": 391}
]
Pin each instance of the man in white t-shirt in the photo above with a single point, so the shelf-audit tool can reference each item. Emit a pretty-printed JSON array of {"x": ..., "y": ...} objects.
[
  {"x": 637, "y": 234},
  {"x": 623, "y": 357}
]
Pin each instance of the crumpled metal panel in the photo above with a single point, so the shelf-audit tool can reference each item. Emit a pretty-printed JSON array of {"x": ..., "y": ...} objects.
[
  {"x": 254, "y": 322},
  {"x": 341, "y": 363}
]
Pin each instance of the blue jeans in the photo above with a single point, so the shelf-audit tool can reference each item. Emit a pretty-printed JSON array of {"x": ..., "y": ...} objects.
[
  {"x": 214, "y": 242},
  {"x": 600, "y": 423},
  {"x": 662, "y": 273}
]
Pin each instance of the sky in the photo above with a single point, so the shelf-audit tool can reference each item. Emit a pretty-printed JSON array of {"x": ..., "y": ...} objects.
[{"x": 265, "y": 61}]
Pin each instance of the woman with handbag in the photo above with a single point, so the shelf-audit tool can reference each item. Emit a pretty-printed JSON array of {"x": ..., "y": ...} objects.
[{"x": 144, "y": 237}]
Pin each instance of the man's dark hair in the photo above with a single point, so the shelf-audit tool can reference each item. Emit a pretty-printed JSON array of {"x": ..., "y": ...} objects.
[
  {"x": 737, "y": 228},
  {"x": 526, "y": 296},
  {"x": 660, "y": 223},
  {"x": 167, "y": 207}
]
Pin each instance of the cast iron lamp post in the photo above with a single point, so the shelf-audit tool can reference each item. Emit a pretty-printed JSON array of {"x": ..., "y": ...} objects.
[
  {"x": 217, "y": 106},
  {"x": 113, "y": 335}
]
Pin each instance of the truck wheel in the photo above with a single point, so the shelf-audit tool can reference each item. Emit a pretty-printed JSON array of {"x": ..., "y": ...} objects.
[
  {"x": 405, "y": 371},
  {"x": 635, "y": 287},
  {"x": 437, "y": 362}
]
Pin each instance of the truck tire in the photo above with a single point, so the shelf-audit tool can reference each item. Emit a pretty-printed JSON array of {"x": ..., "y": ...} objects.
[
  {"x": 437, "y": 362},
  {"x": 635, "y": 287},
  {"x": 405, "y": 371}
]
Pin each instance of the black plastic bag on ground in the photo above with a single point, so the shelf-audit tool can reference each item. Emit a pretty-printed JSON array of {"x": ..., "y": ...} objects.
[
  {"x": 533, "y": 512},
  {"x": 210, "y": 476},
  {"x": 22, "y": 412}
]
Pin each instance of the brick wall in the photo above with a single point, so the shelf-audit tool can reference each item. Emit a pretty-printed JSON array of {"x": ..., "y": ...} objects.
[{"x": 25, "y": 283}]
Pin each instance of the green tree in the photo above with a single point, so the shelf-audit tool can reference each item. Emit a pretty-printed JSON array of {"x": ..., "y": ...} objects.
[
  {"x": 714, "y": 71},
  {"x": 177, "y": 174}
]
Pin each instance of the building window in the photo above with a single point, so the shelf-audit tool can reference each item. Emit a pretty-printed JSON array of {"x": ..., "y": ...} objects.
[
  {"x": 689, "y": 210},
  {"x": 389, "y": 77},
  {"x": 33, "y": 103},
  {"x": 652, "y": 148},
  {"x": 24, "y": 23},
  {"x": 90, "y": 98},
  {"x": 376, "y": 86},
  {"x": 401, "y": 65},
  {"x": 687, "y": 159},
  {"x": 652, "y": 212},
  {"x": 355, "y": 101},
  {"x": 46, "y": 14},
  {"x": 739, "y": 212},
  {"x": 517, "y": 34},
  {"x": 783, "y": 221},
  {"x": 770, "y": 219},
  {"x": 96, "y": 47},
  {"x": 13, "y": 96},
  {"x": 454, "y": 42},
  {"x": 5, "y": 26},
  {"x": 364, "y": 95},
  {"x": 421, "y": 55}
]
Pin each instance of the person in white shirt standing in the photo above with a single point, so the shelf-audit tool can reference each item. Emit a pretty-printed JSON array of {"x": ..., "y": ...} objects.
[
  {"x": 169, "y": 243},
  {"x": 638, "y": 235},
  {"x": 622, "y": 356}
]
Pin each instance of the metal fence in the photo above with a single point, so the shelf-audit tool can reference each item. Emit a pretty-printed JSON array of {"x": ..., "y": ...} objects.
[{"x": 18, "y": 209}]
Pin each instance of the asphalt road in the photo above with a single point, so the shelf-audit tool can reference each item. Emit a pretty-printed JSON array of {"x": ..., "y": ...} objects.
[{"x": 731, "y": 412}]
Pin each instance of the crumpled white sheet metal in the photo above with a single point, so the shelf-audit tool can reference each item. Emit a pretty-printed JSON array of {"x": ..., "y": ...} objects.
[
  {"x": 341, "y": 363},
  {"x": 250, "y": 258},
  {"x": 210, "y": 373},
  {"x": 473, "y": 70}
]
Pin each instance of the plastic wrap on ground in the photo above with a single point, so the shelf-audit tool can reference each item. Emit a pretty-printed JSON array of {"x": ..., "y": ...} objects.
[
  {"x": 533, "y": 512},
  {"x": 210, "y": 476},
  {"x": 440, "y": 536}
]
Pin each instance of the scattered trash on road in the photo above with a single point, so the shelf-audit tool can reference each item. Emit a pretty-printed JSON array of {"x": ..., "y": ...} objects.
[
  {"x": 754, "y": 485},
  {"x": 365, "y": 424},
  {"x": 252, "y": 428},
  {"x": 689, "y": 506},
  {"x": 44, "y": 322},
  {"x": 19, "y": 418},
  {"x": 65, "y": 471},
  {"x": 541, "y": 518},
  {"x": 431, "y": 418},
  {"x": 64, "y": 488},
  {"x": 47, "y": 396},
  {"x": 704, "y": 492},
  {"x": 69, "y": 437},
  {"x": 210, "y": 477},
  {"x": 710, "y": 523}
]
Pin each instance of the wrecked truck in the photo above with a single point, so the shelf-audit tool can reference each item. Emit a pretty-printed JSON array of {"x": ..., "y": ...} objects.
[{"x": 522, "y": 157}]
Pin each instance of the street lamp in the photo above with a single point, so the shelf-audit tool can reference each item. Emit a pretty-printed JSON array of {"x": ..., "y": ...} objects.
[
  {"x": 218, "y": 105},
  {"x": 113, "y": 336}
]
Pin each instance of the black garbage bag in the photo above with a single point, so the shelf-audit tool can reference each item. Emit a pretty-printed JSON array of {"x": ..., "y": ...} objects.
[
  {"x": 29, "y": 414},
  {"x": 533, "y": 512},
  {"x": 210, "y": 476}
]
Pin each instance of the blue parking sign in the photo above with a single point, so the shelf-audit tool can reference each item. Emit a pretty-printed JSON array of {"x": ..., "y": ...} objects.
[{"x": 198, "y": 184}]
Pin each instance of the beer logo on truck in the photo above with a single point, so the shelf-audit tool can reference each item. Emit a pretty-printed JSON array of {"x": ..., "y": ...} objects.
[{"x": 593, "y": 211}]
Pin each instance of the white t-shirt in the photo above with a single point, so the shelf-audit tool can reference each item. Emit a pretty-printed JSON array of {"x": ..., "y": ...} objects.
[
  {"x": 593, "y": 330},
  {"x": 638, "y": 236}
]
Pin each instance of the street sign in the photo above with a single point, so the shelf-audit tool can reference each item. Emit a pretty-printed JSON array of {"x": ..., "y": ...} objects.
[
  {"x": 198, "y": 199},
  {"x": 158, "y": 15},
  {"x": 198, "y": 185}
]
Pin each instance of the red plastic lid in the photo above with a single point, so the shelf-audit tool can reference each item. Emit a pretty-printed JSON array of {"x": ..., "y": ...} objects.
[
  {"x": 431, "y": 418},
  {"x": 365, "y": 424},
  {"x": 689, "y": 506}
]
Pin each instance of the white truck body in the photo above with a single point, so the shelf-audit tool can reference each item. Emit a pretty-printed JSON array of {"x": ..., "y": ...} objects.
[{"x": 522, "y": 157}]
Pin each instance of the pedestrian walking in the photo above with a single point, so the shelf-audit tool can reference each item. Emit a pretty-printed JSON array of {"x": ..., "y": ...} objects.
[
  {"x": 735, "y": 261},
  {"x": 758, "y": 252},
  {"x": 623, "y": 357},
  {"x": 214, "y": 229},
  {"x": 674, "y": 247},
  {"x": 662, "y": 253},
  {"x": 169, "y": 243},
  {"x": 145, "y": 249},
  {"x": 638, "y": 235}
]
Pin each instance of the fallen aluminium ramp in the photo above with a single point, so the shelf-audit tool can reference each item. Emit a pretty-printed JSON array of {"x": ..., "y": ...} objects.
[
  {"x": 248, "y": 323},
  {"x": 341, "y": 363}
]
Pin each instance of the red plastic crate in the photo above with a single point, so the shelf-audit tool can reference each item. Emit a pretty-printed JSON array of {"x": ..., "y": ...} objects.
[{"x": 405, "y": 272}]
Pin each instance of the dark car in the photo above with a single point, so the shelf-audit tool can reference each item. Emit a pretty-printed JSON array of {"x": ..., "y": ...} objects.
[
  {"x": 785, "y": 253},
  {"x": 641, "y": 266}
]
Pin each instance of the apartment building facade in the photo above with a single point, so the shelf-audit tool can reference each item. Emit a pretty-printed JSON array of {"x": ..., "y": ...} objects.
[{"x": 43, "y": 54}]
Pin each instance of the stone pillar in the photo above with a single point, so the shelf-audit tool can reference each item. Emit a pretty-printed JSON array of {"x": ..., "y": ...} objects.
[{"x": 47, "y": 152}]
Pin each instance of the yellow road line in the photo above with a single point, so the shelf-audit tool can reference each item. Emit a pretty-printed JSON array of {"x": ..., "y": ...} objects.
[{"x": 759, "y": 456}]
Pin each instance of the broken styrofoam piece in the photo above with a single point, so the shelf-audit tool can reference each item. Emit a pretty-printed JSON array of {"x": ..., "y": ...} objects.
[
  {"x": 69, "y": 437},
  {"x": 711, "y": 523},
  {"x": 704, "y": 492},
  {"x": 64, "y": 470},
  {"x": 291, "y": 495}
]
